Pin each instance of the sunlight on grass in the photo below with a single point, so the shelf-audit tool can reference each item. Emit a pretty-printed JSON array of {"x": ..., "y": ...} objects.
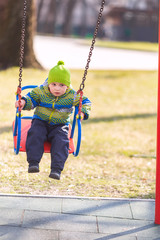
[
  {"x": 122, "y": 126},
  {"x": 139, "y": 46}
]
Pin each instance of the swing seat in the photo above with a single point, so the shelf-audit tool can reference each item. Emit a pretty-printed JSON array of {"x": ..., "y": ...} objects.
[
  {"x": 25, "y": 126},
  {"x": 21, "y": 126}
]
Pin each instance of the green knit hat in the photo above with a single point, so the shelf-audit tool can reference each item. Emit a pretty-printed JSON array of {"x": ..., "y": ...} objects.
[{"x": 59, "y": 74}]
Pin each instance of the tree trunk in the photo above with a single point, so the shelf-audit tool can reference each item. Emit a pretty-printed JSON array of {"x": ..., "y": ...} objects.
[
  {"x": 68, "y": 17},
  {"x": 51, "y": 17},
  {"x": 83, "y": 30},
  {"x": 39, "y": 10},
  {"x": 10, "y": 34}
]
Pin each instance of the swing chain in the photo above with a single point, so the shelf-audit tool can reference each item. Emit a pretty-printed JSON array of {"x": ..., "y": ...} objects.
[
  {"x": 80, "y": 102},
  {"x": 82, "y": 85},
  {"x": 21, "y": 58}
]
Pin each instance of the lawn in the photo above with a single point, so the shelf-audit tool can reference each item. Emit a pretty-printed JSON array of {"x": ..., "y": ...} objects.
[
  {"x": 139, "y": 46},
  {"x": 117, "y": 157}
]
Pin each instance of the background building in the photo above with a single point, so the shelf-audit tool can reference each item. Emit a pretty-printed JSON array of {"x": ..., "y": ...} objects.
[
  {"x": 132, "y": 20},
  {"x": 122, "y": 20}
]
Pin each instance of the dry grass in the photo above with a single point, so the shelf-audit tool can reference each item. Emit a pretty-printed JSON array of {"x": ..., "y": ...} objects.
[{"x": 122, "y": 125}]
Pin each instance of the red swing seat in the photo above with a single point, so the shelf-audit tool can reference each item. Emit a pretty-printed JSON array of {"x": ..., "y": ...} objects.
[{"x": 25, "y": 125}]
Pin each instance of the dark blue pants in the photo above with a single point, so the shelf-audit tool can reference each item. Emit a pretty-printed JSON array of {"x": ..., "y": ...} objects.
[{"x": 40, "y": 132}]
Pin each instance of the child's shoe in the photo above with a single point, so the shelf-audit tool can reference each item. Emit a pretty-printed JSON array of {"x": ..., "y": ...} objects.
[
  {"x": 55, "y": 175},
  {"x": 33, "y": 169}
]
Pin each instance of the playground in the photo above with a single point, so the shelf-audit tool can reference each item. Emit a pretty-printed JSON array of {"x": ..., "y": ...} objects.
[{"x": 108, "y": 191}]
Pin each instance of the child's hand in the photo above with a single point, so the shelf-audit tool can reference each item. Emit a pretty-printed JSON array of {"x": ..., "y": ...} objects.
[
  {"x": 22, "y": 103},
  {"x": 82, "y": 115}
]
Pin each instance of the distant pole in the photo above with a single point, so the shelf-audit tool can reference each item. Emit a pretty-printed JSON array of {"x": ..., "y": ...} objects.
[{"x": 157, "y": 198}]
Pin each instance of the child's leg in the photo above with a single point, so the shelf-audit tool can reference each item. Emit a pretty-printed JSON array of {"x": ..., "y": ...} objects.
[
  {"x": 36, "y": 137},
  {"x": 59, "y": 147}
]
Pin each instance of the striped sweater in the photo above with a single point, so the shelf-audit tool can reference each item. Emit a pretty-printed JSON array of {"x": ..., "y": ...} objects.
[{"x": 54, "y": 110}]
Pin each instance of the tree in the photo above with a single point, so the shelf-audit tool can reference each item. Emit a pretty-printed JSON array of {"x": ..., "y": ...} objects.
[
  {"x": 10, "y": 33},
  {"x": 39, "y": 9},
  {"x": 68, "y": 17},
  {"x": 51, "y": 17},
  {"x": 47, "y": 25},
  {"x": 84, "y": 19}
]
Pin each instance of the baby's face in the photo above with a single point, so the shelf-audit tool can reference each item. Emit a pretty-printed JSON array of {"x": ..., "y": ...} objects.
[{"x": 57, "y": 89}]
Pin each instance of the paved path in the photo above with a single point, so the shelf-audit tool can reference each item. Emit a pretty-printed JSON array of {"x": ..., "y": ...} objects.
[
  {"x": 51, "y": 49},
  {"x": 68, "y": 218}
]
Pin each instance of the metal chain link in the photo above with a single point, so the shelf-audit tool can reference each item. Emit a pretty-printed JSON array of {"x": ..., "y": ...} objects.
[
  {"x": 21, "y": 57},
  {"x": 92, "y": 45}
]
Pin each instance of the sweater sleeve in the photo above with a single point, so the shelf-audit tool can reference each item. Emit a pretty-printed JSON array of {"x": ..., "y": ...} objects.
[
  {"x": 32, "y": 99},
  {"x": 86, "y": 105}
]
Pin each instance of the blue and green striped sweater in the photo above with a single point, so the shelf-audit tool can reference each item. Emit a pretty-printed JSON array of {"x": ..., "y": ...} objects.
[{"x": 54, "y": 110}]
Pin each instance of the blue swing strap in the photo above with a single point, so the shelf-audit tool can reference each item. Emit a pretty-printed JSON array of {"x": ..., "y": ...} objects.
[
  {"x": 17, "y": 132},
  {"x": 76, "y": 119},
  {"x": 17, "y": 125}
]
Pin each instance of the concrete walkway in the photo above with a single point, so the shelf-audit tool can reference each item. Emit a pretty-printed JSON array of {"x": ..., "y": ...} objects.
[
  {"x": 49, "y": 50},
  {"x": 68, "y": 218}
]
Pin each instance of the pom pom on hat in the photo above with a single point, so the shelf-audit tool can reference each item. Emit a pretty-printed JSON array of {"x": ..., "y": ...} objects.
[
  {"x": 60, "y": 63},
  {"x": 59, "y": 74}
]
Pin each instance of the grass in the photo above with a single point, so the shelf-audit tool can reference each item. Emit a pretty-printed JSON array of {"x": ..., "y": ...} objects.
[
  {"x": 140, "y": 46},
  {"x": 121, "y": 127}
]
